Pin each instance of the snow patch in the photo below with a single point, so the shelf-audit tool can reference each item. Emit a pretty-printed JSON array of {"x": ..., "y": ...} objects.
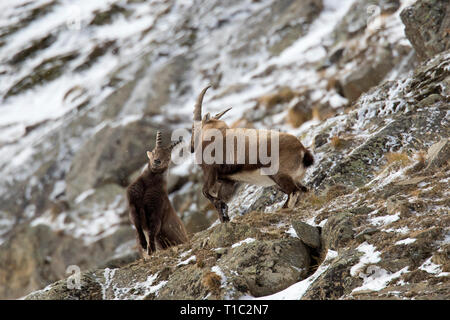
[
  {"x": 377, "y": 278},
  {"x": 433, "y": 268},
  {"x": 292, "y": 232},
  {"x": 219, "y": 272},
  {"x": 83, "y": 196},
  {"x": 405, "y": 241},
  {"x": 385, "y": 220},
  {"x": 370, "y": 256},
  {"x": 187, "y": 261},
  {"x": 245, "y": 241}
]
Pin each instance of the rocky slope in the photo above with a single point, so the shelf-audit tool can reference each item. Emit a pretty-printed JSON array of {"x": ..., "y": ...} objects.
[{"x": 83, "y": 99}]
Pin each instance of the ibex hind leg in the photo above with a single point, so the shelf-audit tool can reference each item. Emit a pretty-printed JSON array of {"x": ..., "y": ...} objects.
[
  {"x": 136, "y": 221},
  {"x": 296, "y": 196},
  {"x": 301, "y": 187},
  {"x": 221, "y": 206},
  {"x": 286, "y": 184}
]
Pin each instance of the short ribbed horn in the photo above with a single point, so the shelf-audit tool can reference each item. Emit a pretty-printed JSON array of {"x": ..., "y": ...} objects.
[
  {"x": 198, "y": 105},
  {"x": 219, "y": 115},
  {"x": 158, "y": 139}
]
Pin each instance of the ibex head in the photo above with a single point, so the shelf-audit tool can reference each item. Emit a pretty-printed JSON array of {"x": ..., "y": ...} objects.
[
  {"x": 199, "y": 122},
  {"x": 159, "y": 158}
]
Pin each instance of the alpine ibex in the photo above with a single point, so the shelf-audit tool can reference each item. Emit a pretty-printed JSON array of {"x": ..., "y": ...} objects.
[
  {"x": 260, "y": 157},
  {"x": 151, "y": 212}
]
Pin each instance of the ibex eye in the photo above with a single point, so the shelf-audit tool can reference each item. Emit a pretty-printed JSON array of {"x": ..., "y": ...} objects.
[{"x": 157, "y": 161}]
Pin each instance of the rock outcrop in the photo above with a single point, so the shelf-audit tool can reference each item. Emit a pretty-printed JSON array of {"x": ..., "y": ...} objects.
[
  {"x": 427, "y": 26},
  {"x": 257, "y": 255},
  {"x": 375, "y": 222}
]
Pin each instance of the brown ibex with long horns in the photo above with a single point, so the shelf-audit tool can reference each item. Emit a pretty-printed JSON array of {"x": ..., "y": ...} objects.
[
  {"x": 151, "y": 212},
  {"x": 258, "y": 157}
]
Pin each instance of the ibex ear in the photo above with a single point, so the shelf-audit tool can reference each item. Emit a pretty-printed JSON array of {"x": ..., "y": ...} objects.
[
  {"x": 206, "y": 117},
  {"x": 149, "y": 154}
]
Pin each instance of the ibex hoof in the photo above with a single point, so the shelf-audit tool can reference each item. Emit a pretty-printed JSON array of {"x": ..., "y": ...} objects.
[
  {"x": 223, "y": 209},
  {"x": 293, "y": 199}
]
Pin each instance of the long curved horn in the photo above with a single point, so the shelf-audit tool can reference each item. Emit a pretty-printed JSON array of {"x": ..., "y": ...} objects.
[
  {"x": 198, "y": 105},
  {"x": 176, "y": 143},
  {"x": 158, "y": 139},
  {"x": 219, "y": 115}
]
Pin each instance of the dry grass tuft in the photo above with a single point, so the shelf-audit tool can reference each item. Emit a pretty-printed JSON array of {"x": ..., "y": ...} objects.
[
  {"x": 336, "y": 142},
  {"x": 296, "y": 117},
  {"x": 212, "y": 282},
  {"x": 283, "y": 95},
  {"x": 421, "y": 156},
  {"x": 200, "y": 263},
  {"x": 316, "y": 114},
  {"x": 398, "y": 157},
  {"x": 316, "y": 200}
]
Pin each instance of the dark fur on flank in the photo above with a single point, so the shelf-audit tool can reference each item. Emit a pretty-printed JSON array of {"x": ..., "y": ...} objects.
[{"x": 150, "y": 210}]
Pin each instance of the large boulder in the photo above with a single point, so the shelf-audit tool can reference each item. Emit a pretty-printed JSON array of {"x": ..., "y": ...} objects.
[
  {"x": 309, "y": 235},
  {"x": 338, "y": 231},
  {"x": 36, "y": 256},
  {"x": 268, "y": 266},
  {"x": 336, "y": 280},
  {"x": 427, "y": 25},
  {"x": 370, "y": 73}
]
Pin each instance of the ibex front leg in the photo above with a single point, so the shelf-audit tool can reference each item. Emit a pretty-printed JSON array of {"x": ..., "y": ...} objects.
[
  {"x": 136, "y": 221},
  {"x": 208, "y": 186},
  {"x": 152, "y": 229}
]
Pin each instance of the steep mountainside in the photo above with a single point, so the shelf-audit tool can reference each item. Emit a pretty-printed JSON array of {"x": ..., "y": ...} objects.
[{"x": 363, "y": 83}]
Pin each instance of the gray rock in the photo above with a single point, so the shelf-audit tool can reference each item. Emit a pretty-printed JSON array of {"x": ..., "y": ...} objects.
[
  {"x": 307, "y": 233},
  {"x": 368, "y": 75},
  {"x": 111, "y": 156},
  {"x": 120, "y": 261},
  {"x": 227, "y": 234},
  {"x": 366, "y": 234},
  {"x": 286, "y": 20},
  {"x": 438, "y": 154},
  {"x": 268, "y": 266},
  {"x": 405, "y": 115},
  {"x": 196, "y": 221},
  {"x": 427, "y": 24},
  {"x": 336, "y": 280},
  {"x": 355, "y": 20},
  {"x": 337, "y": 231},
  {"x": 37, "y": 256},
  {"x": 90, "y": 289}
]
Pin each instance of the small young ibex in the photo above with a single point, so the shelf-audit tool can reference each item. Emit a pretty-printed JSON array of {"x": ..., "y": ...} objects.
[
  {"x": 151, "y": 212},
  {"x": 291, "y": 158}
]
